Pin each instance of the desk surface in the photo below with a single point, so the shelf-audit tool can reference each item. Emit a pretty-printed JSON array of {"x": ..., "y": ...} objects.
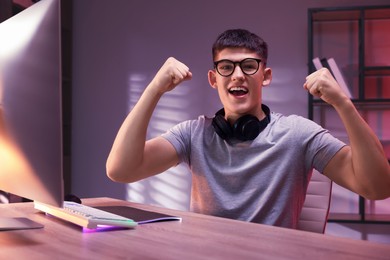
[{"x": 197, "y": 236}]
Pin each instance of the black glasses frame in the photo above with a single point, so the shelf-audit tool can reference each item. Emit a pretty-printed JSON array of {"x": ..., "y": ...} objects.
[{"x": 235, "y": 63}]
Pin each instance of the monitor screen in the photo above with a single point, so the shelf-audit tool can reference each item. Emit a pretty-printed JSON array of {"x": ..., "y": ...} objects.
[{"x": 30, "y": 104}]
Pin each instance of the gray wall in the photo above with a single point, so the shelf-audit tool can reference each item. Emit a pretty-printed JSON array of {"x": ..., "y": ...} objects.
[{"x": 118, "y": 47}]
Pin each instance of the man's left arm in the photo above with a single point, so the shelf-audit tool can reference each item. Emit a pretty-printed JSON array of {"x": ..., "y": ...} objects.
[{"x": 361, "y": 167}]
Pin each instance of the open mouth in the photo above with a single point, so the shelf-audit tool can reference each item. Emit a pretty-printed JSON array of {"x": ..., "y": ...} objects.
[{"x": 238, "y": 91}]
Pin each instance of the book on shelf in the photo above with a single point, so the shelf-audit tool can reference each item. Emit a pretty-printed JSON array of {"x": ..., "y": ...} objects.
[
  {"x": 332, "y": 66},
  {"x": 317, "y": 63}
]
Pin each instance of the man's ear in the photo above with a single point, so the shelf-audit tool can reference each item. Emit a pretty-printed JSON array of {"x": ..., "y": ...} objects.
[
  {"x": 212, "y": 78},
  {"x": 267, "y": 76}
]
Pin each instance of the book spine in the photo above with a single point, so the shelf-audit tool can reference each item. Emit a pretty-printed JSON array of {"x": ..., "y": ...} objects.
[
  {"x": 339, "y": 76},
  {"x": 317, "y": 63}
]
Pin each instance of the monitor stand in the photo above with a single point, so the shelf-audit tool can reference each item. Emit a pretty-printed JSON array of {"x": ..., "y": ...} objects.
[
  {"x": 9, "y": 223},
  {"x": 18, "y": 223}
]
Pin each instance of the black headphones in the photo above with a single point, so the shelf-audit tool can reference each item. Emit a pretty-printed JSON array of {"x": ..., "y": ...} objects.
[{"x": 246, "y": 128}]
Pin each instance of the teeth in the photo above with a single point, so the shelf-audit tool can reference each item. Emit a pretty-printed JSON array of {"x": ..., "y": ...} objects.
[{"x": 238, "y": 89}]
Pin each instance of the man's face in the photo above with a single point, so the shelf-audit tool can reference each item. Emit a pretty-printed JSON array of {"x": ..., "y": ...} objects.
[{"x": 240, "y": 93}]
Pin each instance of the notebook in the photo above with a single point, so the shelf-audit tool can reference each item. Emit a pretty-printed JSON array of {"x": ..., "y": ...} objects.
[{"x": 138, "y": 215}]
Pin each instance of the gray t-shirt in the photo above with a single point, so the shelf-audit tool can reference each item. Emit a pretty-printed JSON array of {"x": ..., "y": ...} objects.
[{"x": 262, "y": 181}]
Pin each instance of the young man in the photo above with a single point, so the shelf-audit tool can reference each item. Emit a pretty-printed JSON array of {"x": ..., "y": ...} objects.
[{"x": 247, "y": 163}]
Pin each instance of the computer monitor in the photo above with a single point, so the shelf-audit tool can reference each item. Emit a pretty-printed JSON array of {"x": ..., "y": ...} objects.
[{"x": 30, "y": 104}]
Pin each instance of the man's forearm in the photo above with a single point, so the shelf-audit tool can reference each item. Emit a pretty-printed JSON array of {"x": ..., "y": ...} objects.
[
  {"x": 368, "y": 159},
  {"x": 129, "y": 144}
]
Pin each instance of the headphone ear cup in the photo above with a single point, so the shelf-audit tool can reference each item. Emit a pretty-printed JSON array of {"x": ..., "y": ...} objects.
[
  {"x": 222, "y": 127},
  {"x": 246, "y": 128}
]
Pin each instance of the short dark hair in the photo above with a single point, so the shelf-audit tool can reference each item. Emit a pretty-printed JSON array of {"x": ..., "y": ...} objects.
[{"x": 240, "y": 38}]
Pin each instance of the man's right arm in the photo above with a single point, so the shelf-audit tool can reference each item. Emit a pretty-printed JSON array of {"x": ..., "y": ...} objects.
[{"x": 133, "y": 158}]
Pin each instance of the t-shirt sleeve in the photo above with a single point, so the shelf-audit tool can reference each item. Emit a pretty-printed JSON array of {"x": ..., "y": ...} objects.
[
  {"x": 180, "y": 137},
  {"x": 321, "y": 145}
]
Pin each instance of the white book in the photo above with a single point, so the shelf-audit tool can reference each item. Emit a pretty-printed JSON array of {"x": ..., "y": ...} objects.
[
  {"x": 339, "y": 76},
  {"x": 317, "y": 63}
]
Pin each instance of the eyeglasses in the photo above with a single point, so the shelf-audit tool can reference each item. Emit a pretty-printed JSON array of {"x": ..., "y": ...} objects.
[{"x": 249, "y": 66}]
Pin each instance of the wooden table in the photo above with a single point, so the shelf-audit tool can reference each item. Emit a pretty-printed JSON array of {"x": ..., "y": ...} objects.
[{"x": 195, "y": 237}]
